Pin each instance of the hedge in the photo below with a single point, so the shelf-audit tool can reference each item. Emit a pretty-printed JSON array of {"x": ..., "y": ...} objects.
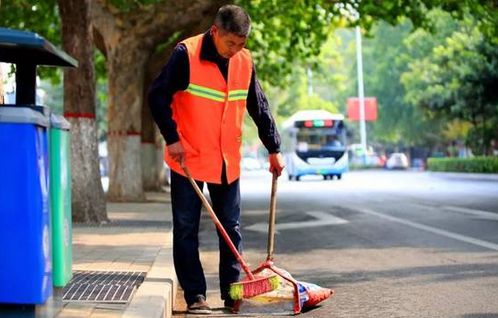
[{"x": 475, "y": 164}]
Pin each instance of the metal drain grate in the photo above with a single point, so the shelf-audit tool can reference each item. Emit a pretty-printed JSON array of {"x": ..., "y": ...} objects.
[{"x": 102, "y": 287}]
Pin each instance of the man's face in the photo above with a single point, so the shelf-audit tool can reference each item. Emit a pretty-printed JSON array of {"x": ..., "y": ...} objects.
[{"x": 227, "y": 44}]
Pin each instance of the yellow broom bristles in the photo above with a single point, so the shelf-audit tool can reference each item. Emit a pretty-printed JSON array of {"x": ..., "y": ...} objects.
[{"x": 252, "y": 288}]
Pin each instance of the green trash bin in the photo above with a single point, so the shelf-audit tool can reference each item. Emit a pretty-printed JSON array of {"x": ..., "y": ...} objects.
[{"x": 60, "y": 200}]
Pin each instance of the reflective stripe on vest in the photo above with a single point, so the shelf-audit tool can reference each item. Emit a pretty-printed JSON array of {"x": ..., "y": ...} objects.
[
  {"x": 219, "y": 96},
  {"x": 238, "y": 94},
  {"x": 206, "y": 92}
]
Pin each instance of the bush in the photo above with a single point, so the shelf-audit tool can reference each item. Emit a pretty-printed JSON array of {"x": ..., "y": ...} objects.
[
  {"x": 357, "y": 166},
  {"x": 475, "y": 164}
]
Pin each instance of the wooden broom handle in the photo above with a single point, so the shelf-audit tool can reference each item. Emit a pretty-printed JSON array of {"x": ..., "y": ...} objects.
[{"x": 271, "y": 218}]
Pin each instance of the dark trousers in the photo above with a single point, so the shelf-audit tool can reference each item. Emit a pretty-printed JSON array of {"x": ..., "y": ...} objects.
[{"x": 186, "y": 207}]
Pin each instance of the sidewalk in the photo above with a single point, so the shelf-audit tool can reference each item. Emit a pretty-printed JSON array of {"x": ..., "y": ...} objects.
[{"x": 138, "y": 239}]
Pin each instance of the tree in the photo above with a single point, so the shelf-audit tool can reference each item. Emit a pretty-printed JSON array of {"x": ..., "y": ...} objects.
[
  {"x": 88, "y": 199},
  {"x": 458, "y": 80},
  {"x": 387, "y": 53},
  {"x": 386, "y": 57}
]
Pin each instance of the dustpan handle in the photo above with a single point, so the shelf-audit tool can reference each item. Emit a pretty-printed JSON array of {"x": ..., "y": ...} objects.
[{"x": 271, "y": 218}]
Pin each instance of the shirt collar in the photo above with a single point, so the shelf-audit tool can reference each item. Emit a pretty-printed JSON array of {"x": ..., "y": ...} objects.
[{"x": 208, "y": 50}]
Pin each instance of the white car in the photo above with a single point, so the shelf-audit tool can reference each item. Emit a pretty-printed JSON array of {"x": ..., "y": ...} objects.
[{"x": 397, "y": 160}]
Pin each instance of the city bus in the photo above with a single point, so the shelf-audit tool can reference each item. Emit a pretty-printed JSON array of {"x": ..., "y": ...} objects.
[{"x": 314, "y": 143}]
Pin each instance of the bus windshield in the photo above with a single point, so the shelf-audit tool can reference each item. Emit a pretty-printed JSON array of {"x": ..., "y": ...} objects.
[{"x": 319, "y": 139}]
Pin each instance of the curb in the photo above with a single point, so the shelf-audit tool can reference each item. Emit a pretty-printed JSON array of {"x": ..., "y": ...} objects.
[{"x": 156, "y": 296}]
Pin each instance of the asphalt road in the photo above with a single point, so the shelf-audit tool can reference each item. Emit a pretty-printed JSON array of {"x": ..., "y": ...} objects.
[{"x": 390, "y": 243}]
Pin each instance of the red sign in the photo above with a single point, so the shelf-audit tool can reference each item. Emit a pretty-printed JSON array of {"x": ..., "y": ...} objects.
[{"x": 370, "y": 108}]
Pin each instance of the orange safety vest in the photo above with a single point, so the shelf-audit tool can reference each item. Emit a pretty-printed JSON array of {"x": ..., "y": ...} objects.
[{"x": 210, "y": 114}]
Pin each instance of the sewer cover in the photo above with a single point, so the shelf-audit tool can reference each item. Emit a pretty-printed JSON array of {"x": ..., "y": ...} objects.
[{"x": 102, "y": 287}]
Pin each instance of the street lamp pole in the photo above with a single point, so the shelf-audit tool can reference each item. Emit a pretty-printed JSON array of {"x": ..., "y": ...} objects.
[
  {"x": 310, "y": 81},
  {"x": 363, "y": 131}
]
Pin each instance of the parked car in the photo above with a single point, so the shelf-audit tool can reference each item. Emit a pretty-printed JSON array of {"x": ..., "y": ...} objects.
[{"x": 397, "y": 160}]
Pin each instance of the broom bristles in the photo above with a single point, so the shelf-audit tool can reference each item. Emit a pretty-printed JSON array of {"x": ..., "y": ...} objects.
[{"x": 252, "y": 288}]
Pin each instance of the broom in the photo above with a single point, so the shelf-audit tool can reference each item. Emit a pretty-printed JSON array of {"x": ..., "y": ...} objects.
[{"x": 251, "y": 286}]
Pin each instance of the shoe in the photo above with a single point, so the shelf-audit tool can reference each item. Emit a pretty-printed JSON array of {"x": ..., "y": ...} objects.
[
  {"x": 199, "y": 307},
  {"x": 229, "y": 303},
  {"x": 230, "y": 306}
]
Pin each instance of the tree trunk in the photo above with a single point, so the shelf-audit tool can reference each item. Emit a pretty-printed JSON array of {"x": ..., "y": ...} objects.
[
  {"x": 484, "y": 137},
  {"x": 152, "y": 162},
  {"x": 88, "y": 198},
  {"x": 125, "y": 68},
  {"x": 152, "y": 166},
  {"x": 152, "y": 141}
]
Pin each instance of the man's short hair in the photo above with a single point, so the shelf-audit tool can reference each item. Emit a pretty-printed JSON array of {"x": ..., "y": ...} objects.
[{"x": 233, "y": 19}]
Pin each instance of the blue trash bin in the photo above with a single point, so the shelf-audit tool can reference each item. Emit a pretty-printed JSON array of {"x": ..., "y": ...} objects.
[{"x": 25, "y": 253}]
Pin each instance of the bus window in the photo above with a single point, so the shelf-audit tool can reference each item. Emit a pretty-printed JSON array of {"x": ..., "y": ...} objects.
[
  {"x": 316, "y": 139},
  {"x": 302, "y": 146},
  {"x": 333, "y": 141}
]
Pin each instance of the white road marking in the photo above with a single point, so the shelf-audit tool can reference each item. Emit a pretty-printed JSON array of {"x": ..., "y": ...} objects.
[
  {"x": 479, "y": 213},
  {"x": 455, "y": 236},
  {"x": 482, "y": 214},
  {"x": 321, "y": 219}
]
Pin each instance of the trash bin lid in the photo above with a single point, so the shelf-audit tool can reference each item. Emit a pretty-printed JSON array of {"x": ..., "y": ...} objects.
[
  {"x": 59, "y": 122},
  {"x": 22, "y": 115},
  {"x": 44, "y": 110},
  {"x": 18, "y": 46}
]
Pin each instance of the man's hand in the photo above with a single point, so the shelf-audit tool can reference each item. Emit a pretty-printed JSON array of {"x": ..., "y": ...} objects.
[
  {"x": 276, "y": 163},
  {"x": 177, "y": 152}
]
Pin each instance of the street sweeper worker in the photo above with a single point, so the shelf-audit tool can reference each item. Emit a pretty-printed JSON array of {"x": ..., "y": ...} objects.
[{"x": 198, "y": 101}]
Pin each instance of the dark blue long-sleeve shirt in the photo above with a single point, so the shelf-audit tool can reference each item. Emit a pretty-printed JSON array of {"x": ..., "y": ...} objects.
[{"x": 174, "y": 77}]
